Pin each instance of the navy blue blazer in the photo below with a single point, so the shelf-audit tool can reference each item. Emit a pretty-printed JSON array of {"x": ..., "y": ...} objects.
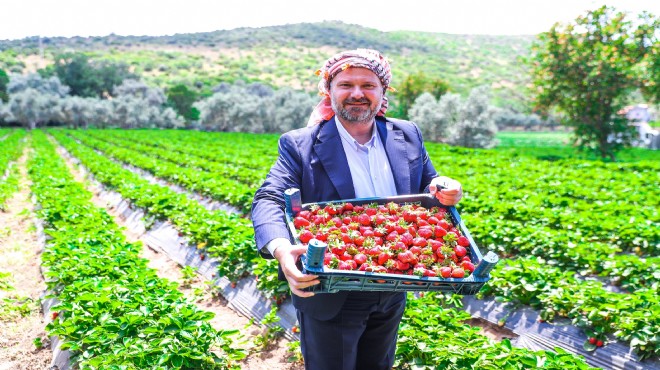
[{"x": 312, "y": 159}]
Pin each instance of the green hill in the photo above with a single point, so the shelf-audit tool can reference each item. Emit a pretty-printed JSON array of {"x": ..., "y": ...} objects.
[{"x": 288, "y": 55}]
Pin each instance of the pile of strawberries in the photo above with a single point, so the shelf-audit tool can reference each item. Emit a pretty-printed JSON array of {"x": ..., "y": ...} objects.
[{"x": 390, "y": 238}]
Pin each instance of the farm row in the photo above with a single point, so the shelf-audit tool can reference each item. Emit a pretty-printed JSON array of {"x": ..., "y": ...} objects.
[{"x": 552, "y": 222}]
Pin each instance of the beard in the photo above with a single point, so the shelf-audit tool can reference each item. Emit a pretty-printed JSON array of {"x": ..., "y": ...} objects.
[{"x": 354, "y": 114}]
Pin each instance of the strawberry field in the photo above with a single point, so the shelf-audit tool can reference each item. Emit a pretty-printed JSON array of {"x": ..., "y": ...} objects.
[{"x": 578, "y": 242}]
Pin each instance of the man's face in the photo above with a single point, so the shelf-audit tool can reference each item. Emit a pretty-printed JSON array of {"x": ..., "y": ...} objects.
[{"x": 356, "y": 95}]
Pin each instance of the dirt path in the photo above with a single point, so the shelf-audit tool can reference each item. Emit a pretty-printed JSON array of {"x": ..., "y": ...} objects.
[
  {"x": 273, "y": 357},
  {"x": 20, "y": 256}
]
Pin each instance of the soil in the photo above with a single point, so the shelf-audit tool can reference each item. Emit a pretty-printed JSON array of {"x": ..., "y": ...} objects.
[
  {"x": 20, "y": 256},
  {"x": 276, "y": 354}
]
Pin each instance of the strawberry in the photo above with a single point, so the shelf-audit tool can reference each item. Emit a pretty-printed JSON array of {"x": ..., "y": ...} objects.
[
  {"x": 463, "y": 241},
  {"x": 445, "y": 271},
  {"x": 364, "y": 219},
  {"x": 383, "y": 257},
  {"x": 425, "y": 232},
  {"x": 360, "y": 258},
  {"x": 460, "y": 251},
  {"x": 599, "y": 343},
  {"x": 305, "y": 236},
  {"x": 300, "y": 222},
  {"x": 54, "y": 315},
  {"x": 457, "y": 273},
  {"x": 467, "y": 266},
  {"x": 444, "y": 224},
  {"x": 418, "y": 242},
  {"x": 592, "y": 340}
]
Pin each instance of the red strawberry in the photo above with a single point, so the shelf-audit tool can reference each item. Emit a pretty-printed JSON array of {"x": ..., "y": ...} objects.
[
  {"x": 444, "y": 224},
  {"x": 460, "y": 251},
  {"x": 360, "y": 258},
  {"x": 300, "y": 222},
  {"x": 468, "y": 266},
  {"x": 364, "y": 219},
  {"x": 419, "y": 242},
  {"x": 463, "y": 241},
  {"x": 435, "y": 244},
  {"x": 592, "y": 340},
  {"x": 55, "y": 314},
  {"x": 425, "y": 232},
  {"x": 445, "y": 271},
  {"x": 305, "y": 236},
  {"x": 599, "y": 343},
  {"x": 457, "y": 273},
  {"x": 383, "y": 257}
]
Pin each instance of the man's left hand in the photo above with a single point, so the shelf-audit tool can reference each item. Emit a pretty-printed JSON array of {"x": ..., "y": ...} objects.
[{"x": 448, "y": 191}]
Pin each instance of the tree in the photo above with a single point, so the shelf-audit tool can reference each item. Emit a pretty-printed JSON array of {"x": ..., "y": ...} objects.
[
  {"x": 4, "y": 80},
  {"x": 413, "y": 86},
  {"x": 52, "y": 85},
  {"x": 476, "y": 123},
  {"x": 88, "y": 78},
  {"x": 426, "y": 114},
  {"x": 181, "y": 98},
  {"x": 585, "y": 70},
  {"x": 31, "y": 107}
]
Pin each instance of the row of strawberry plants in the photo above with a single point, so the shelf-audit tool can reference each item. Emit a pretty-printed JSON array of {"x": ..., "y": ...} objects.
[
  {"x": 250, "y": 177},
  {"x": 226, "y": 237},
  {"x": 112, "y": 310},
  {"x": 629, "y": 271},
  {"x": 433, "y": 335},
  {"x": 502, "y": 216},
  {"x": 11, "y": 149},
  {"x": 605, "y": 203},
  {"x": 632, "y": 318},
  {"x": 250, "y": 151},
  {"x": 512, "y": 227},
  {"x": 225, "y": 190}
]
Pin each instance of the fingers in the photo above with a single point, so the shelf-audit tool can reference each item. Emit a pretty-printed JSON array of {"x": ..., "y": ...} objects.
[
  {"x": 448, "y": 191},
  {"x": 287, "y": 258},
  {"x": 449, "y": 197}
]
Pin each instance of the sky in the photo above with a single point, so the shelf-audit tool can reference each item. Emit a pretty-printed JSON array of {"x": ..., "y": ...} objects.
[{"x": 25, "y": 18}]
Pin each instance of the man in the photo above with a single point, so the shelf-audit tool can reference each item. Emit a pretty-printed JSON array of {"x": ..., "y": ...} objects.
[{"x": 349, "y": 150}]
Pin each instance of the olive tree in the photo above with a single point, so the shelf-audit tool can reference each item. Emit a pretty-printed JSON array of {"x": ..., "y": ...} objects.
[
  {"x": 31, "y": 108},
  {"x": 137, "y": 105},
  {"x": 475, "y": 125},
  {"x": 585, "y": 69}
]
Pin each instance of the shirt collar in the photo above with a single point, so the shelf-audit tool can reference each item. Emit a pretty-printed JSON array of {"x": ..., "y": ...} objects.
[{"x": 350, "y": 140}]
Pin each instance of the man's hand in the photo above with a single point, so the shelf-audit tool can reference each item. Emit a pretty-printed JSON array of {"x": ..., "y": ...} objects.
[
  {"x": 287, "y": 257},
  {"x": 448, "y": 191}
]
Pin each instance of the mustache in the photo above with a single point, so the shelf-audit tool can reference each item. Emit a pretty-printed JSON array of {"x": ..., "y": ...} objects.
[{"x": 357, "y": 101}]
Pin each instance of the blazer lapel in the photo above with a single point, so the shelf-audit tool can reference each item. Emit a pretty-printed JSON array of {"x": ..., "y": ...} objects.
[
  {"x": 395, "y": 147},
  {"x": 330, "y": 152}
]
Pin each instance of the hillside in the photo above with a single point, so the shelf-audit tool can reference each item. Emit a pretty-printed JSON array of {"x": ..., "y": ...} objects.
[{"x": 288, "y": 55}]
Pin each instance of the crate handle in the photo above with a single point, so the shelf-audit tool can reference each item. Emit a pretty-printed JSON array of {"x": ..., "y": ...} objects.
[
  {"x": 292, "y": 201},
  {"x": 486, "y": 265}
]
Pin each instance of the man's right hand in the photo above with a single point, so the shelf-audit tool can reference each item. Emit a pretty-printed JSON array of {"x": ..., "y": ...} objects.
[{"x": 287, "y": 256}]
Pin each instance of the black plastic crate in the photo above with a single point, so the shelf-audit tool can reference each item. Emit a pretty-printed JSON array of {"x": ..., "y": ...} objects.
[{"x": 333, "y": 280}]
